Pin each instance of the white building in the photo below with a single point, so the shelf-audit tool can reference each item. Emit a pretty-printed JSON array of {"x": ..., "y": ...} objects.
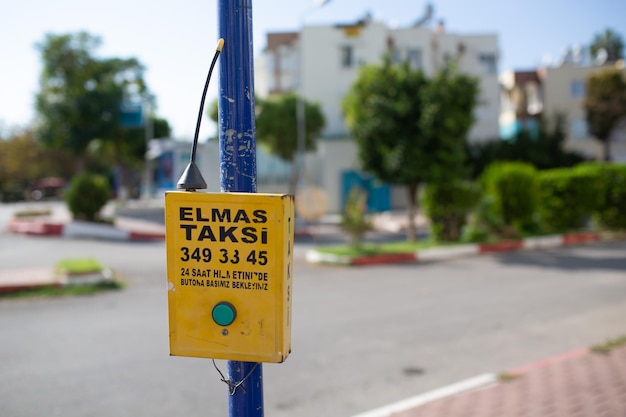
[
  {"x": 322, "y": 62},
  {"x": 551, "y": 91}
]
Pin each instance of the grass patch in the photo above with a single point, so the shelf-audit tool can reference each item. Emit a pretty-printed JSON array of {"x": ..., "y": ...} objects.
[
  {"x": 85, "y": 276},
  {"x": 78, "y": 266},
  {"x": 401, "y": 247},
  {"x": 33, "y": 213},
  {"x": 606, "y": 347},
  {"x": 507, "y": 377},
  {"x": 383, "y": 248},
  {"x": 64, "y": 291}
]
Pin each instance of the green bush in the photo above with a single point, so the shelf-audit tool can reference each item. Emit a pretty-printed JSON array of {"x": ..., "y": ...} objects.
[
  {"x": 484, "y": 224},
  {"x": 86, "y": 196},
  {"x": 610, "y": 210},
  {"x": 512, "y": 186},
  {"x": 354, "y": 219},
  {"x": 567, "y": 197},
  {"x": 447, "y": 206}
]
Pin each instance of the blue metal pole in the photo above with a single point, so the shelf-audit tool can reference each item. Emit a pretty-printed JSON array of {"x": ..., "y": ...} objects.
[
  {"x": 238, "y": 161},
  {"x": 236, "y": 98}
]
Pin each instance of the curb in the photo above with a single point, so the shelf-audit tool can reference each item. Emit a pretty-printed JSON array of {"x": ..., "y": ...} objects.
[
  {"x": 79, "y": 229},
  {"x": 437, "y": 394},
  {"x": 480, "y": 381},
  {"x": 29, "y": 227},
  {"x": 452, "y": 252},
  {"x": 27, "y": 278},
  {"x": 31, "y": 278}
]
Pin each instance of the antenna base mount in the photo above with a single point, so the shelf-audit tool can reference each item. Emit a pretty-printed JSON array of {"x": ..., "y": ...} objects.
[{"x": 191, "y": 179}]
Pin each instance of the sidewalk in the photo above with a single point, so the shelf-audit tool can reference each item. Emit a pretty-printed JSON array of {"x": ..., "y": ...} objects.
[
  {"x": 580, "y": 383},
  {"x": 60, "y": 224}
]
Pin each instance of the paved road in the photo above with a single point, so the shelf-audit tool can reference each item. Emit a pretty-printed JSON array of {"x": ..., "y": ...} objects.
[{"x": 363, "y": 337}]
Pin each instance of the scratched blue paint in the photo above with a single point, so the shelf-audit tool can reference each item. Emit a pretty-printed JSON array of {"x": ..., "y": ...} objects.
[
  {"x": 236, "y": 98},
  {"x": 237, "y": 136}
]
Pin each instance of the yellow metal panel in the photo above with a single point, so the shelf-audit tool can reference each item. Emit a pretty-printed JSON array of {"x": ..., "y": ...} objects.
[{"x": 230, "y": 258}]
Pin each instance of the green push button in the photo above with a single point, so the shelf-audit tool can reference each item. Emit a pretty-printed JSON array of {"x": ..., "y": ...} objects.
[{"x": 224, "y": 313}]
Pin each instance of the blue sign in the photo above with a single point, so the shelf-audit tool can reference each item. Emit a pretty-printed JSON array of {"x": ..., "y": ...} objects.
[{"x": 131, "y": 114}]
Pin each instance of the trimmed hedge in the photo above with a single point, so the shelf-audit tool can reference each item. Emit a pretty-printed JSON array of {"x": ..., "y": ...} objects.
[
  {"x": 517, "y": 200},
  {"x": 567, "y": 198},
  {"x": 512, "y": 186},
  {"x": 610, "y": 210},
  {"x": 447, "y": 206}
]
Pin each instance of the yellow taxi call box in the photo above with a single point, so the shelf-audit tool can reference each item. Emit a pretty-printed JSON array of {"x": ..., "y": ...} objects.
[{"x": 229, "y": 275}]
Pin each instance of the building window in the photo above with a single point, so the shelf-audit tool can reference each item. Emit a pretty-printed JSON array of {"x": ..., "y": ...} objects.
[
  {"x": 577, "y": 88},
  {"x": 347, "y": 56},
  {"x": 414, "y": 56},
  {"x": 579, "y": 129},
  {"x": 489, "y": 62}
]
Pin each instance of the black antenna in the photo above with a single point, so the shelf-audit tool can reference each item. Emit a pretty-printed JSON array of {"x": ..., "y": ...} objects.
[{"x": 191, "y": 179}]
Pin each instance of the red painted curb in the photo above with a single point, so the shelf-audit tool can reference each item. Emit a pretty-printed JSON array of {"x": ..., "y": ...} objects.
[
  {"x": 145, "y": 236},
  {"x": 49, "y": 228},
  {"x": 384, "y": 259},
  {"x": 575, "y": 238},
  {"x": 14, "y": 288},
  {"x": 500, "y": 247},
  {"x": 53, "y": 229},
  {"x": 5, "y": 289},
  {"x": 35, "y": 227}
]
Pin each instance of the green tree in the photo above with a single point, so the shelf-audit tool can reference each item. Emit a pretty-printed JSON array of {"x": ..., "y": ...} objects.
[
  {"x": 213, "y": 110},
  {"x": 411, "y": 129},
  {"x": 127, "y": 152},
  {"x": 133, "y": 141},
  {"x": 23, "y": 160},
  {"x": 129, "y": 148},
  {"x": 80, "y": 95},
  {"x": 605, "y": 103},
  {"x": 276, "y": 127},
  {"x": 611, "y": 42}
]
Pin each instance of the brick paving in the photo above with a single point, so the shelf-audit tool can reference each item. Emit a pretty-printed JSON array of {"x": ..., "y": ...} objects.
[{"x": 585, "y": 385}]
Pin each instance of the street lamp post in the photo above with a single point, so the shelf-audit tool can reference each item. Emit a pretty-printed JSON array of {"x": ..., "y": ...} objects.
[{"x": 149, "y": 135}]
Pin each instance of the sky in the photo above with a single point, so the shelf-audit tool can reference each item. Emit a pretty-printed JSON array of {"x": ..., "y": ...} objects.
[{"x": 175, "y": 40}]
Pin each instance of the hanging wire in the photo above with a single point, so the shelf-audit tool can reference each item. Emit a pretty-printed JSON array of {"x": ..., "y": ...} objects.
[{"x": 233, "y": 386}]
